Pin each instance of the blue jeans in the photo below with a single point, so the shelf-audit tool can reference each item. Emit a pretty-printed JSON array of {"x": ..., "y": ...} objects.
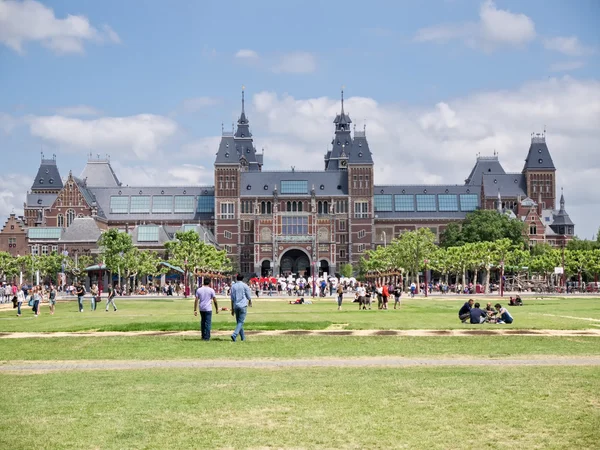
[
  {"x": 36, "y": 307},
  {"x": 80, "y": 301},
  {"x": 240, "y": 317},
  {"x": 93, "y": 304},
  {"x": 19, "y": 308},
  {"x": 205, "y": 324}
]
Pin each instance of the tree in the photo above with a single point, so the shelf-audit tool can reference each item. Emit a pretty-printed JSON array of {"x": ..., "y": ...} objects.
[
  {"x": 582, "y": 244},
  {"x": 486, "y": 225},
  {"x": 138, "y": 263},
  {"x": 114, "y": 244},
  {"x": 346, "y": 270},
  {"x": 413, "y": 248},
  {"x": 452, "y": 236}
]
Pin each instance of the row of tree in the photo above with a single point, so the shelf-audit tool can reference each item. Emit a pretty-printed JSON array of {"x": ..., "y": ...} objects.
[
  {"x": 118, "y": 255},
  {"x": 414, "y": 252}
]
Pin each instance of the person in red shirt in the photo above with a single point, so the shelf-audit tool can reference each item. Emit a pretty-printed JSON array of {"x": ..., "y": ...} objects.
[{"x": 385, "y": 293}]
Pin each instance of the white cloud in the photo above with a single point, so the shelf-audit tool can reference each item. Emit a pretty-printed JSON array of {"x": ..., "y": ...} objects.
[
  {"x": 246, "y": 54},
  {"x": 23, "y": 21},
  {"x": 567, "y": 45},
  {"x": 566, "y": 66},
  {"x": 198, "y": 103},
  {"x": 7, "y": 123},
  {"x": 78, "y": 111},
  {"x": 296, "y": 62},
  {"x": 13, "y": 188},
  {"x": 496, "y": 27},
  {"x": 141, "y": 135},
  {"x": 438, "y": 144}
]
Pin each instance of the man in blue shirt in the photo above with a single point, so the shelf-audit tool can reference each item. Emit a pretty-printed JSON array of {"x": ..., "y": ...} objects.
[
  {"x": 240, "y": 296},
  {"x": 204, "y": 296},
  {"x": 465, "y": 312}
]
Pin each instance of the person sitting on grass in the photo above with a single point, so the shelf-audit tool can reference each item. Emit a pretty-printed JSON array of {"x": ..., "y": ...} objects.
[
  {"x": 297, "y": 302},
  {"x": 464, "y": 312},
  {"x": 491, "y": 312},
  {"x": 477, "y": 315},
  {"x": 518, "y": 301},
  {"x": 505, "y": 316}
]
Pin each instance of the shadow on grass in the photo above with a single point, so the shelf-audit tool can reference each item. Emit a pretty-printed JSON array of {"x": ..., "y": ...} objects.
[{"x": 193, "y": 326}]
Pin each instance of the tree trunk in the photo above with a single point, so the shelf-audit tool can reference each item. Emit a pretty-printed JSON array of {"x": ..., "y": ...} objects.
[{"x": 487, "y": 280}]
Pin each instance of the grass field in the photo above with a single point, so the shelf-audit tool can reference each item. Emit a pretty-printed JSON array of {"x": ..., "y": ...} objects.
[
  {"x": 556, "y": 407},
  {"x": 304, "y": 408},
  {"x": 173, "y": 315}
]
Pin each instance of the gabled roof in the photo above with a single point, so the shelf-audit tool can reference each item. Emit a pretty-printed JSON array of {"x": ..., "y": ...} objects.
[
  {"x": 538, "y": 157},
  {"x": 99, "y": 173},
  {"x": 48, "y": 176},
  {"x": 40, "y": 200},
  {"x": 83, "y": 229},
  {"x": 258, "y": 184},
  {"x": 508, "y": 184},
  {"x": 484, "y": 165}
]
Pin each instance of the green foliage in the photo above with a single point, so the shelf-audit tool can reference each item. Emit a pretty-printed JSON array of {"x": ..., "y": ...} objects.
[
  {"x": 346, "y": 270},
  {"x": 484, "y": 226},
  {"x": 583, "y": 244},
  {"x": 114, "y": 244},
  {"x": 189, "y": 252}
]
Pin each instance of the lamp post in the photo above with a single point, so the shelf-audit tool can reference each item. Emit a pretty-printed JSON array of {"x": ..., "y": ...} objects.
[
  {"x": 563, "y": 262},
  {"x": 314, "y": 278},
  {"x": 502, "y": 278},
  {"x": 384, "y": 235},
  {"x": 185, "y": 279},
  {"x": 425, "y": 276}
]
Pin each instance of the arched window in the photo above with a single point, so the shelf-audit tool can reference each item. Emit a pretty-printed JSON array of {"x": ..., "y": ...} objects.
[
  {"x": 294, "y": 206},
  {"x": 70, "y": 217},
  {"x": 532, "y": 228},
  {"x": 300, "y": 206},
  {"x": 60, "y": 221},
  {"x": 268, "y": 207},
  {"x": 263, "y": 208},
  {"x": 288, "y": 206},
  {"x": 325, "y": 208}
]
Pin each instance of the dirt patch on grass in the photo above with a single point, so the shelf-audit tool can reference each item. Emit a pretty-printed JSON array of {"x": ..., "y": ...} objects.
[
  {"x": 386, "y": 333},
  {"x": 297, "y": 332},
  {"x": 479, "y": 332},
  {"x": 521, "y": 332},
  {"x": 335, "y": 333}
]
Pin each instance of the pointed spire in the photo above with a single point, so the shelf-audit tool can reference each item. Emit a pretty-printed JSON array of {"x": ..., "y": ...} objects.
[
  {"x": 243, "y": 119},
  {"x": 343, "y": 100},
  {"x": 562, "y": 199},
  {"x": 243, "y": 109}
]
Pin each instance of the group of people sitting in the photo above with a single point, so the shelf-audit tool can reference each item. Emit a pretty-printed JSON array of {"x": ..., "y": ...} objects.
[{"x": 473, "y": 313}]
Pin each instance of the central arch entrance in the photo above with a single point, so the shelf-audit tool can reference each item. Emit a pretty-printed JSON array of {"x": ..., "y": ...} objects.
[{"x": 295, "y": 262}]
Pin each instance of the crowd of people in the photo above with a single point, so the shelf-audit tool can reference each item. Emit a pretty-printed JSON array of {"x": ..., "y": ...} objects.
[{"x": 472, "y": 312}]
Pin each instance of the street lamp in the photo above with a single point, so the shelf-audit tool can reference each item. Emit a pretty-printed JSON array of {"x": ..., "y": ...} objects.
[
  {"x": 425, "y": 275},
  {"x": 502, "y": 278},
  {"x": 384, "y": 238}
]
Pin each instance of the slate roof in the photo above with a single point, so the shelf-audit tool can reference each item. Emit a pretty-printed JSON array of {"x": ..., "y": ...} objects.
[
  {"x": 198, "y": 228},
  {"x": 253, "y": 184},
  {"x": 102, "y": 196},
  {"x": 83, "y": 229},
  {"x": 538, "y": 157},
  {"x": 484, "y": 165},
  {"x": 99, "y": 173},
  {"x": 40, "y": 200},
  {"x": 561, "y": 218},
  {"x": 509, "y": 184},
  {"x": 163, "y": 237},
  {"x": 48, "y": 176}
]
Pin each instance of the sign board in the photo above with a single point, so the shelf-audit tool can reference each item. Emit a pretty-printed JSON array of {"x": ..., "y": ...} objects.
[{"x": 558, "y": 271}]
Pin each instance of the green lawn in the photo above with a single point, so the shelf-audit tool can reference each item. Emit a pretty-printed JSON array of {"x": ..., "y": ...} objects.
[
  {"x": 434, "y": 408},
  {"x": 292, "y": 346},
  {"x": 163, "y": 314}
]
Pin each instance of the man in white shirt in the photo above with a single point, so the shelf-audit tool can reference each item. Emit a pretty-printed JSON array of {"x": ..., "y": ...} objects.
[{"x": 204, "y": 295}]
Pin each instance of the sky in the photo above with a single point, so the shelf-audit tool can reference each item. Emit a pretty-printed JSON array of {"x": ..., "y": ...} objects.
[{"x": 151, "y": 84}]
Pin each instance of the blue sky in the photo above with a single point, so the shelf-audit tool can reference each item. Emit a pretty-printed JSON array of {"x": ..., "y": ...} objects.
[{"x": 436, "y": 83}]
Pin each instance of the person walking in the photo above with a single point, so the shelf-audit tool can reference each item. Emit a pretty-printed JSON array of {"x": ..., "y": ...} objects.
[
  {"x": 37, "y": 299},
  {"x": 52, "y": 299},
  {"x": 385, "y": 293},
  {"x": 240, "y": 296},
  {"x": 20, "y": 300},
  {"x": 111, "y": 297},
  {"x": 94, "y": 292},
  {"x": 80, "y": 294},
  {"x": 204, "y": 295},
  {"x": 397, "y": 296},
  {"x": 340, "y": 294}
]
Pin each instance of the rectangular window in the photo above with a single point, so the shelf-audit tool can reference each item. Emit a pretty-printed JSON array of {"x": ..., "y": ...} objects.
[
  {"x": 248, "y": 239},
  {"x": 228, "y": 249},
  {"x": 361, "y": 234},
  {"x": 119, "y": 205},
  {"x": 44, "y": 249},
  {"x": 342, "y": 254},
  {"x": 342, "y": 239},
  {"x": 190, "y": 227},
  {"x": 147, "y": 233},
  {"x": 294, "y": 226},
  {"x": 184, "y": 204},
  {"x": 227, "y": 234},
  {"x": 246, "y": 225},
  {"x": 206, "y": 204},
  {"x": 246, "y": 267},
  {"x": 342, "y": 225},
  {"x": 404, "y": 202},
  {"x": 469, "y": 202},
  {"x": 227, "y": 211},
  {"x": 162, "y": 204},
  {"x": 361, "y": 248},
  {"x": 448, "y": 202},
  {"x": 12, "y": 242},
  {"x": 294, "y": 187},
  {"x": 383, "y": 203},
  {"x": 426, "y": 202},
  {"x": 361, "y": 210},
  {"x": 140, "y": 204},
  {"x": 55, "y": 249},
  {"x": 35, "y": 250}
]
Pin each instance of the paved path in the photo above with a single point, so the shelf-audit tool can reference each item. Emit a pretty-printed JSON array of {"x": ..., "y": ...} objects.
[
  {"x": 383, "y": 362},
  {"x": 416, "y": 333}
]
